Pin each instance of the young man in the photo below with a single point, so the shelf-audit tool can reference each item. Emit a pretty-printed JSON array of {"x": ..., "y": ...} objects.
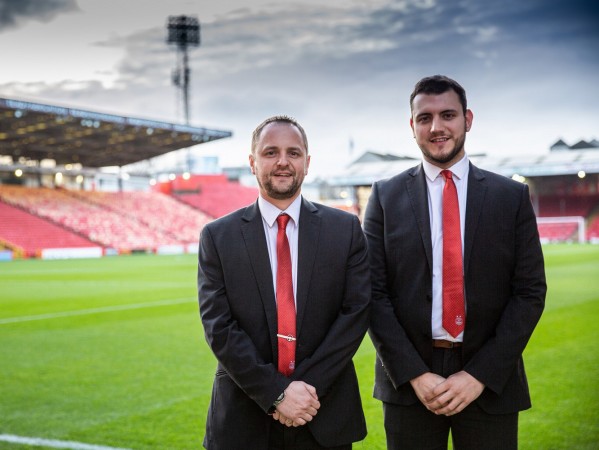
[
  {"x": 458, "y": 287},
  {"x": 284, "y": 293}
]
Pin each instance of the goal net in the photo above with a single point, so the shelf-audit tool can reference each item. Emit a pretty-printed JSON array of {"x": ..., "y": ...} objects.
[{"x": 562, "y": 229}]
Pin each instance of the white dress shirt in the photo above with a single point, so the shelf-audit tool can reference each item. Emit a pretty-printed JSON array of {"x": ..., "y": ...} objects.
[
  {"x": 435, "y": 183},
  {"x": 269, "y": 219}
]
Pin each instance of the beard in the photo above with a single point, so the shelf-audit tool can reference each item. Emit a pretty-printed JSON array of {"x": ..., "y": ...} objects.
[
  {"x": 441, "y": 158},
  {"x": 280, "y": 193}
]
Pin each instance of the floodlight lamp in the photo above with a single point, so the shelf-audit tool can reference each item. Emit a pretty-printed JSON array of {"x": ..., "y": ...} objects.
[{"x": 183, "y": 31}]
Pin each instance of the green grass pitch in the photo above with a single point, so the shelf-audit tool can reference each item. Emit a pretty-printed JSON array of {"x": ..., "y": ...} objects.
[{"x": 111, "y": 352}]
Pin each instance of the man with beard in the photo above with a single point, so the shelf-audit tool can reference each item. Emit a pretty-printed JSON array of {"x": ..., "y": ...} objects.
[
  {"x": 458, "y": 285},
  {"x": 284, "y": 294}
]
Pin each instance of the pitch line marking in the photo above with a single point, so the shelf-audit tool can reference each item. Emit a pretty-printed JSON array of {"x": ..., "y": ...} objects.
[
  {"x": 53, "y": 443},
  {"x": 84, "y": 312}
]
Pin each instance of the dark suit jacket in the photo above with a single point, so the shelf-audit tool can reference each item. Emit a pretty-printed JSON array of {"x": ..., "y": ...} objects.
[
  {"x": 238, "y": 311},
  {"x": 504, "y": 281}
]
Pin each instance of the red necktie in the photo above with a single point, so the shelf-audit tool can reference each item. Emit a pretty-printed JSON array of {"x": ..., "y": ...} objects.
[
  {"x": 454, "y": 315},
  {"x": 285, "y": 301}
]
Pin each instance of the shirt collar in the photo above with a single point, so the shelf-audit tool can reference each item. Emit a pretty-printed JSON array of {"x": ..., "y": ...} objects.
[
  {"x": 459, "y": 169},
  {"x": 270, "y": 212}
]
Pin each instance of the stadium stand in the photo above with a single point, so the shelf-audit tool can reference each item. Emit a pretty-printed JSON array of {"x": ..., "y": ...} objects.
[
  {"x": 566, "y": 205},
  {"x": 125, "y": 221},
  {"x": 593, "y": 229},
  {"x": 573, "y": 204},
  {"x": 45, "y": 145},
  {"x": 150, "y": 208},
  {"x": 556, "y": 232},
  {"x": 27, "y": 234},
  {"x": 218, "y": 200},
  {"x": 215, "y": 195},
  {"x": 107, "y": 228}
]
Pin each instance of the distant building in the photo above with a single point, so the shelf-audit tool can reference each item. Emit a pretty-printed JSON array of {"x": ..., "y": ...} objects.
[
  {"x": 370, "y": 157},
  {"x": 560, "y": 145},
  {"x": 237, "y": 173}
]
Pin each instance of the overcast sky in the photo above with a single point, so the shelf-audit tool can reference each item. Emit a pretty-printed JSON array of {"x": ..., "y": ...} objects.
[{"x": 343, "y": 68}]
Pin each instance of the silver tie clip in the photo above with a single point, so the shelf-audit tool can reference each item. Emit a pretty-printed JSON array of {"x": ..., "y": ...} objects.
[{"x": 289, "y": 338}]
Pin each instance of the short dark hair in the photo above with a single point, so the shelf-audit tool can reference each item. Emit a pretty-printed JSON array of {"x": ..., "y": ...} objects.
[
  {"x": 277, "y": 119},
  {"x": 438, "y": 84}
]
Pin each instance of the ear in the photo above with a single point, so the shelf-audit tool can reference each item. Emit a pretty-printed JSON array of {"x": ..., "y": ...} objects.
[
  {"x": 469, "y": 118},
  {"x": 252, "y": 162},
  {"x": 412, "y": 127},
  {"x": 307, "y": 164}
]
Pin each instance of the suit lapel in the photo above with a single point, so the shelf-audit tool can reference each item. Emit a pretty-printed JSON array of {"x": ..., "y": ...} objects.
[
  {"x": 417, "y": 191},
  {"x": 477, "y": 190},
  {"x": 252, "y": 230},
  {"x": 309, "y": 234}
]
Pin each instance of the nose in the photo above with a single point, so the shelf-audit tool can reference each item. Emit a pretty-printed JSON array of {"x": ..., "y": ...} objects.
[
  {"x": 283, "y": 161},
  {"x": 436, "y": 125}
]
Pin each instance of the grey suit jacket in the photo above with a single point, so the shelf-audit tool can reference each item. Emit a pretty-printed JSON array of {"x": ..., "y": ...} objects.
[
  {"x": 504, "y": 283},
  {"x": 238, "y": 311}
]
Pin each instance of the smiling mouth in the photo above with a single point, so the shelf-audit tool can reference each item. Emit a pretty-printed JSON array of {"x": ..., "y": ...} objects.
[{"x": 440, "y": 139}]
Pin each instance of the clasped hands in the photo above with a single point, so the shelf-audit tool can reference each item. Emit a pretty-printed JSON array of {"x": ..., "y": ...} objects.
[
  {"x": 447, "y": 396},
  {"x": 299, "y": 406}
]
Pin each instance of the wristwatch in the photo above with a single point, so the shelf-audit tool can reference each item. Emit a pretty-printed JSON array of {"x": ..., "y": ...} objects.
[{"x": 276, "y": 403}]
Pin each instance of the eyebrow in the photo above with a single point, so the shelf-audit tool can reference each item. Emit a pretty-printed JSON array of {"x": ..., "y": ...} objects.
[
  {"x": 445, "y": 111},
  {"x": 276, "y": 147}
]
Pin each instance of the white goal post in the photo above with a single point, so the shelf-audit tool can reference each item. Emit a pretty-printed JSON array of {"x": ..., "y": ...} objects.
[{"x": 577, "y": 220}]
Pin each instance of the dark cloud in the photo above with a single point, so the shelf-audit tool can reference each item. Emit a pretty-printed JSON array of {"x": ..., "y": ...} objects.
[
  {"x": 356, "y": 57},
  {"x": 15, "y": 12},
  {"x": 149, "y": 58}
]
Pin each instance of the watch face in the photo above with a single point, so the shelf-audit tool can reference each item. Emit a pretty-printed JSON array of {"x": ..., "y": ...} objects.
[
  {"x": 280, "y": 398},
  {"x": 276, "y": 403}
]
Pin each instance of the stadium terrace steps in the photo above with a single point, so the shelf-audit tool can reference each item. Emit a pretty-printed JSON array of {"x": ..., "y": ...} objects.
[
  {"x": 566, "y": 205},
  {"x": 32, "y": 234},
  {"x": 150, "y": 208},
  {"x": 593, "y": 228},
  {"x": 123, "y": 227},
  {"x": 557, "y": 231},
  {"x": 219, "y": 199}
]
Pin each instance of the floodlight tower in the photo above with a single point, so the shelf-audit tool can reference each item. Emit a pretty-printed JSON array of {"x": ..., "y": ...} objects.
[{"x": 184, "y": 32}]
